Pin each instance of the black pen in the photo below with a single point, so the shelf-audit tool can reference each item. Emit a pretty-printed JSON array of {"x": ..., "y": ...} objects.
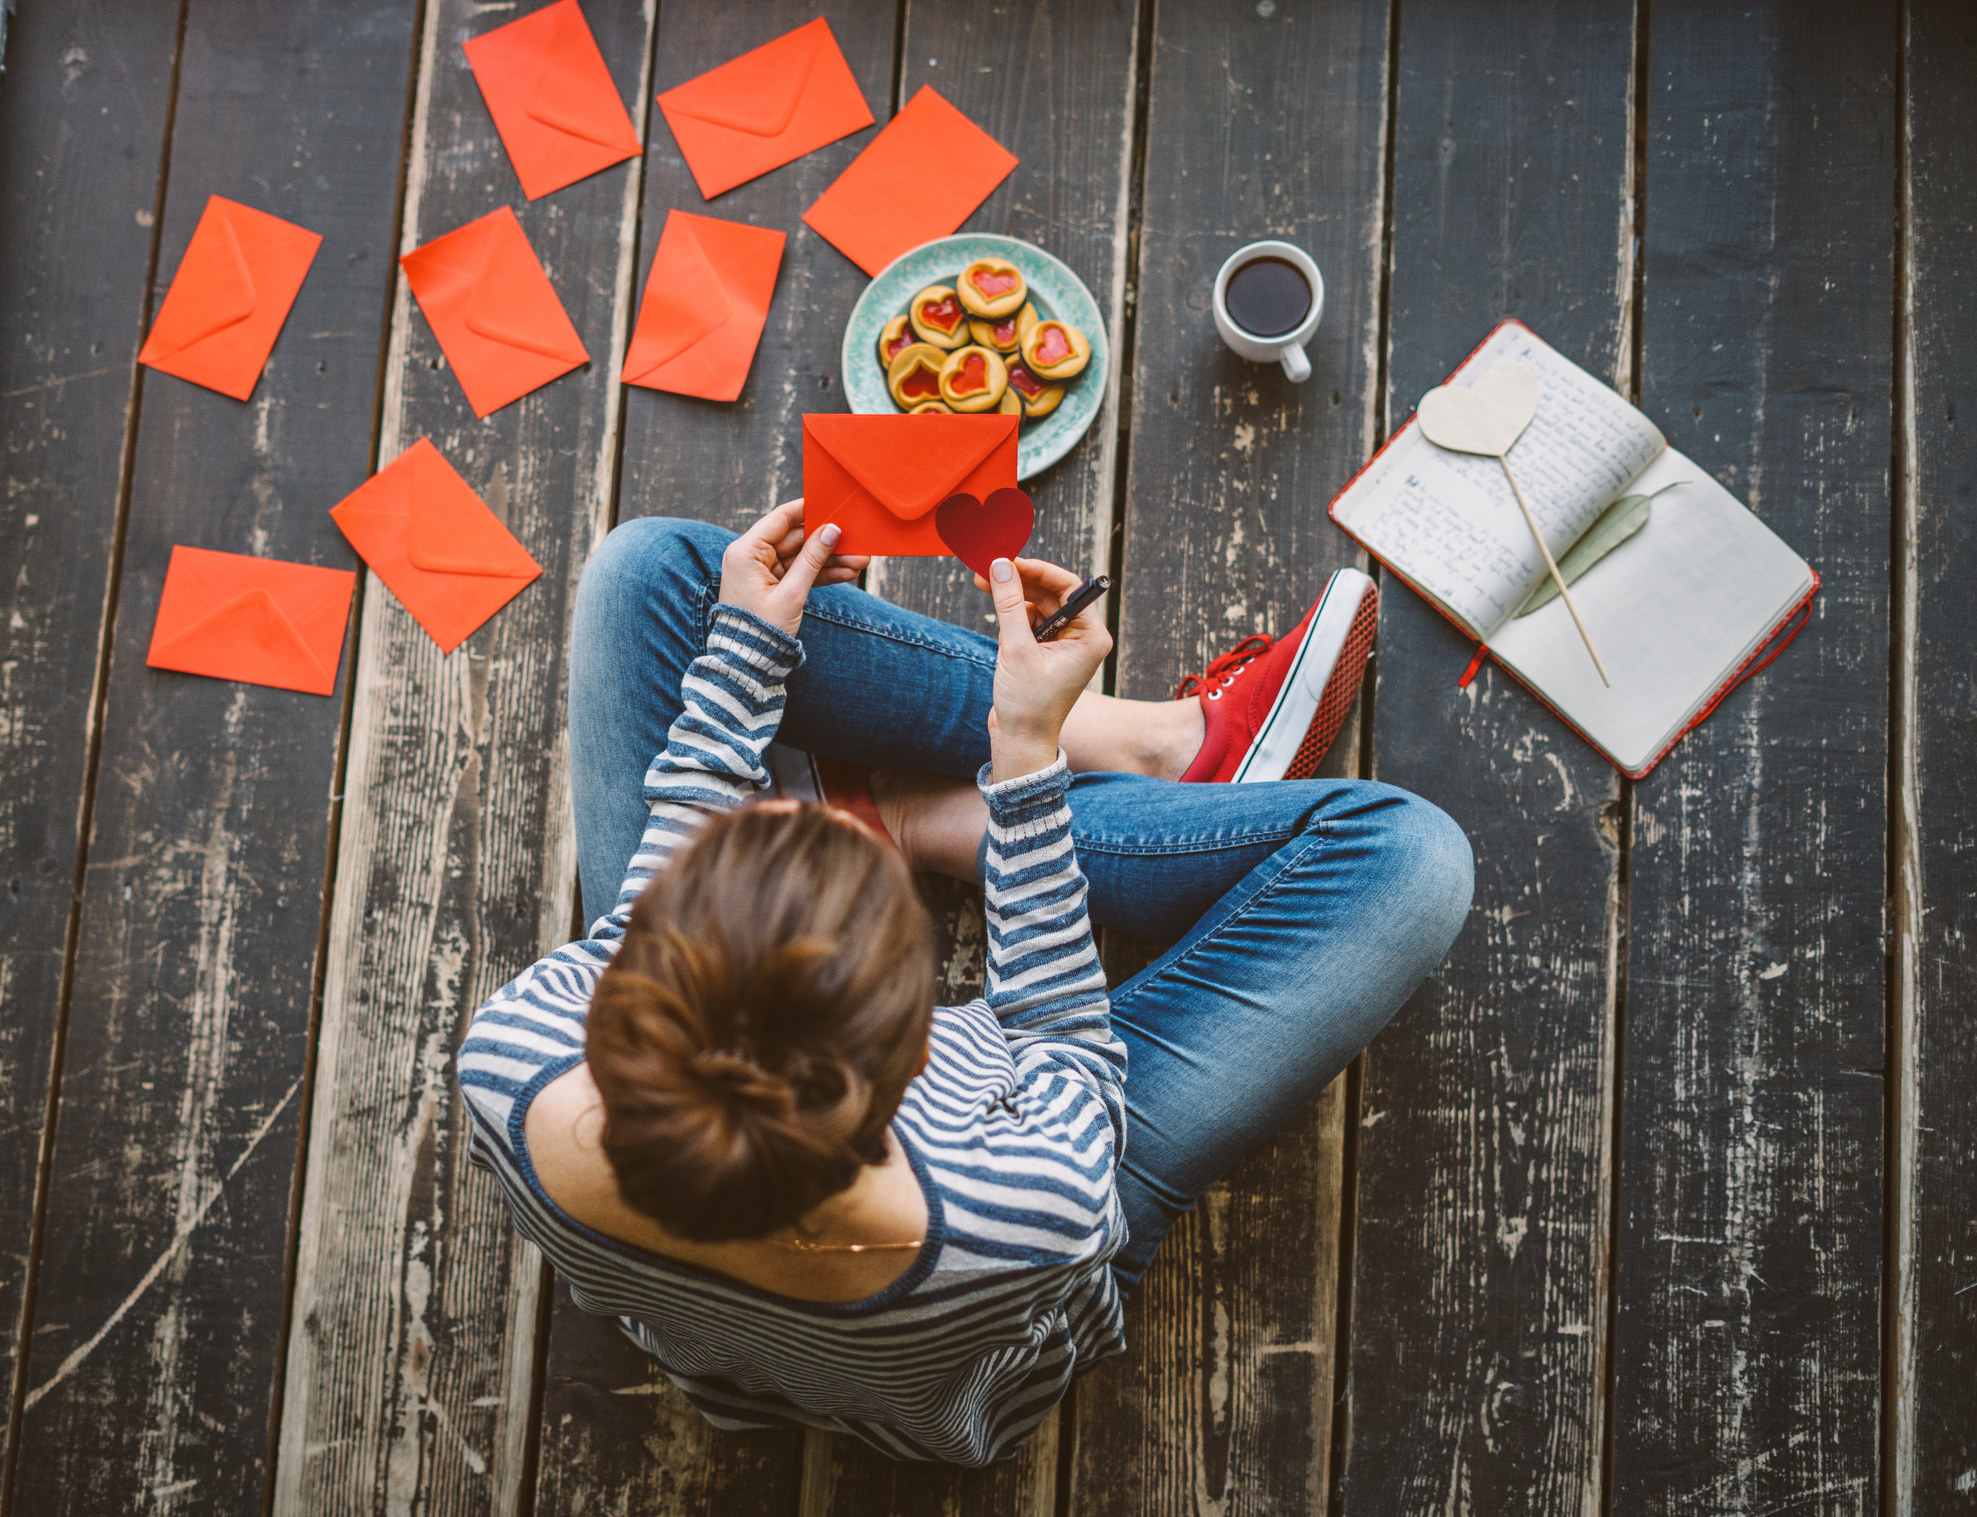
[{"x": 1081, "y": 597}]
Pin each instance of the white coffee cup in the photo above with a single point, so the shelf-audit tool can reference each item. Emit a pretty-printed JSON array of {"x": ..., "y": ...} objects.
[{"x": 1287, "y": 349}]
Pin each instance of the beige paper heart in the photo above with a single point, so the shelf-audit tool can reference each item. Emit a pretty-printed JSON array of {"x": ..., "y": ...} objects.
[{"x": 1486, "y": 418}]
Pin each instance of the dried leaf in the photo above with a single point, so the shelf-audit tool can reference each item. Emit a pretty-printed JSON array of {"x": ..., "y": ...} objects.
[{"x": 1614, "y": 526}]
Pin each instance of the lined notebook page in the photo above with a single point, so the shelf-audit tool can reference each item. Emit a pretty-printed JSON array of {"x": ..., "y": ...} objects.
[
  {"x": 1449, "y": 522},
  {"x": 1674, "y": 609}
]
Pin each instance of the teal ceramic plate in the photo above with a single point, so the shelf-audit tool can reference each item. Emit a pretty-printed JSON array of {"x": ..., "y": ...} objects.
[{"x": 1059, "y": 294}]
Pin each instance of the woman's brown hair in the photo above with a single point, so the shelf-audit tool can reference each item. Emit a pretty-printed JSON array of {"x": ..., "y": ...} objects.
[{"x": 755, "y": 1032}]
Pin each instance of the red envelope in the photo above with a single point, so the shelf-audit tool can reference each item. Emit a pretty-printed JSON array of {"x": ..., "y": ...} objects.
[
  {"x": 552, "y": 98},
  {"x": 881, "y": 478},
  {"x": 919, "y": 179},
  {"x": 232, "y": 291},
  {"x": 706, "y": 301},
  {"x": 493, "y": 310},
  {"x": 260, "y": 620},
  {"x": 766, "y": 108},
  {"x": 434, "y": 543}
]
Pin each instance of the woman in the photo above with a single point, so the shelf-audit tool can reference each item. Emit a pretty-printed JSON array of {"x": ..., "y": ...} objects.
[{"x": 732, "y": 1117}]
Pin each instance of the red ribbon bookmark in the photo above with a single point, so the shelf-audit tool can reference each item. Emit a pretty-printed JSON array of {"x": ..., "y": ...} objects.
[{"x": 1475, "y": 665}]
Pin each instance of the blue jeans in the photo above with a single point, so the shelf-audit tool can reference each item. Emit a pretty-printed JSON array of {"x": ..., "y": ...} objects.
[{"x": 1302, "y": 913}]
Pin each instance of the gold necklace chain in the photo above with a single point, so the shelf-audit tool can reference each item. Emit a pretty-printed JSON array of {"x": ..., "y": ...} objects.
[{"x": 844, "y": 1248}]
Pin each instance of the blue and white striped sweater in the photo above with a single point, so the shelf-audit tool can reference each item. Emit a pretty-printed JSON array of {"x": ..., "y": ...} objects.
[{"x": 1014, "y": 1130}]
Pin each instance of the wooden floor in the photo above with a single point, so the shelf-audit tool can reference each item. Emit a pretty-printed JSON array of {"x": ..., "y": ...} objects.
[{"x": 1660, "y": 1197}]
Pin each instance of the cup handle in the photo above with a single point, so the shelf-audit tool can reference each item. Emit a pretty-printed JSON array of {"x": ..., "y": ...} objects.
[{"x": 1297, "y": 368}]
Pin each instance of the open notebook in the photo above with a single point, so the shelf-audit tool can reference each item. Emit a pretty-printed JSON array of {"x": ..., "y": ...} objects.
[{"x": 1679, "y": 610}]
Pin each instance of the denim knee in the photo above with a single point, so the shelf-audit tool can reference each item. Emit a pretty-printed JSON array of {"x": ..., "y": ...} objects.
[
  {"x": 1429, "y": 873},
  {"x": 664, "y": 553}
]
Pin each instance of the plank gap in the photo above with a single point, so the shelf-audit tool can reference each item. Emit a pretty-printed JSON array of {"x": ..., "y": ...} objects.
[
  {"x": 898, "y": 84},
  {"x": 1129, "y": 283},
  {"x": 1623, "y": 813},
  {"x": 1341, "y": 1408},
  {"x": 1899, "y": 1114}
]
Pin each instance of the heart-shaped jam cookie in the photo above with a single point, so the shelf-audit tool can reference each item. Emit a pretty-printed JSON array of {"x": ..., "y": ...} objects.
[
  {"x": 915, "y": 375},
  {"x": 992, "y": 287},
  {"x": 1039, "y": 397},
  {"x": 973, "y": 379},
  {"x": 895, "y": 339},
  {"x": 1056, "y": 350},
  {"x": 999, "y": 333},
  {"x": 981, "y": 531},
  {"x": 930, "y": 408},
  {"x": 937, "y": 317}
]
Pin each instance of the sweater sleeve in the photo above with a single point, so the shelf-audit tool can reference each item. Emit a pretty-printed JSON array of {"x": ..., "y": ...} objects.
[
  {"x": 1045, "y": 984},
  {"x": 732, "y": 700}
]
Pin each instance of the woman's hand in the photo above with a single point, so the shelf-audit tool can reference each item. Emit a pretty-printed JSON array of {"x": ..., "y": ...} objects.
[
  {"x": 1037, "y": 684},
  {"x": 769, "y": 569}
]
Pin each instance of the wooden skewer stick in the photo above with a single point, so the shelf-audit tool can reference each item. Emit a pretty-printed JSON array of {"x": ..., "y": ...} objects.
[{"x": 1564, "y": 594}]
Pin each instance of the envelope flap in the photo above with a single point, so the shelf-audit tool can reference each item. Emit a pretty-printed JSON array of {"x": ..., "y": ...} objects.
[
  {"x": 563, "y": 90},
  {"x": 218, "y": 284},
  {"x": 451, "y": 531},
  {"x": 909, "y": 464},
  {"x": 505, "y": 300},
  {"x": 758, "y": 92},
  {"x": 250, "y": 619},
  {"x": 684, "y": 299}
]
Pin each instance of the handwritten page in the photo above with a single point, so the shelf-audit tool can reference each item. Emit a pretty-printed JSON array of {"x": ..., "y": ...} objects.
[
  {"x": 1449, "y": 522},
  {"x": 1674, "y": 609}
]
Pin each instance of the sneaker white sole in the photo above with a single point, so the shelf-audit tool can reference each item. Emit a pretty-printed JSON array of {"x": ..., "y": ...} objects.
[{"x": 1282, "y": 732}]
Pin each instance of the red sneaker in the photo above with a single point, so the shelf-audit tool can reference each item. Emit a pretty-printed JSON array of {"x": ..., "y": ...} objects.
[{"x": 1273, "y": 708}]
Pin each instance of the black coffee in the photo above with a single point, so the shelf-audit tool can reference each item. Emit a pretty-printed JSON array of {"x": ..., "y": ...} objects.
[{"x": 1268, "y": 296}]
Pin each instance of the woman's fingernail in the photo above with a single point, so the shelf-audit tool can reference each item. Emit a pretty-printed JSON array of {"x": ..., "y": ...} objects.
[
  {"x": 1002, "y": 571},
  {"x": 830, "y": 533}
]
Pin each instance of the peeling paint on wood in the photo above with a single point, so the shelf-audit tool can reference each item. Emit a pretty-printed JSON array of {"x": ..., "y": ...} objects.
[
  {"x": 1750, "y": 1231},
  {"x": 1484, "y": 1175},
  {"x": 1934, "y": 1465},
  {"x": 153, "y": 1367},
  {"x": 80, "y": 146},
  {"x": 407, "y": 1388}
]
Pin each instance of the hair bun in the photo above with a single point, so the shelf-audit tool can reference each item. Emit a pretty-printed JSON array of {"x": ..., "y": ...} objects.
[
  {"x": 738, "y": 1080},
  {"x": 758, "y": 1026}
]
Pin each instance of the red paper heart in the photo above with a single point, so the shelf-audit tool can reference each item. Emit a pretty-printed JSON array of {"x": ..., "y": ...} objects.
[{"x": 981, "y": 531}]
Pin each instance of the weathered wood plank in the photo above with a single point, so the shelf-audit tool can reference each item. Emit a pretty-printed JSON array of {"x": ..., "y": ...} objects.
[
  {"x": 412, "y": 1344},
  {"x": 1479, "y": 1291},
  {"x": 1223, "y": 1400},
  {"x": 619, "y": 1438},
  {"x": 616, "y": 1435},
  {"x": 844, "y": 1477},
  {"x": 730, "y": 461},
  {"x": 1262, "y": 121},
  {"x": 1052, "y": 81},
  {"x": 83, "y": 115},
  {"x": 153, "y": 1366},
  {"x": 1750, "y": 1234},
  {"x": 1935, "y": 1447}
]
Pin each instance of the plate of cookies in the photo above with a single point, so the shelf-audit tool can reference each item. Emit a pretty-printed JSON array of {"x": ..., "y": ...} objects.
[{"x": 979, "y": 323}]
